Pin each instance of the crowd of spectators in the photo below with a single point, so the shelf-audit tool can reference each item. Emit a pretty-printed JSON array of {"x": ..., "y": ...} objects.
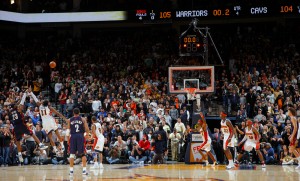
[{"x": 122, "y": 80}]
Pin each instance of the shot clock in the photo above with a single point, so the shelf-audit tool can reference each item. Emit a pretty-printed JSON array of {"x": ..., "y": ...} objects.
[{"x": 191, "y": 44}]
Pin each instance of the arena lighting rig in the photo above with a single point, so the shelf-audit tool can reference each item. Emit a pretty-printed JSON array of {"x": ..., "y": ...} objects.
[{"x": 194, "y": 42}]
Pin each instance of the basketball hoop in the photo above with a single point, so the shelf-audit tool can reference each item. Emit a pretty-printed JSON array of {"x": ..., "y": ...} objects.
[{"x": 191, "y": 93}]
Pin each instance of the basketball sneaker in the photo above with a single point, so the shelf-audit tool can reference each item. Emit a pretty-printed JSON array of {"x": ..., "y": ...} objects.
[
  {"x": 42, "y": 146},
  {"x": 263, "y": 165},
  {"x": 228, "y": 167},
  {"x": 101, "y": 166},
  {"x": 84, "y": 172},
  {"x": 214, "y": 164},
  {"x": 206, "y": 163},
  {"x": 95, "y": 165},
  {"x": 20, "y": 159},
  {"x": 236, "y": 163},
  {"x": 71, "y": 173}
]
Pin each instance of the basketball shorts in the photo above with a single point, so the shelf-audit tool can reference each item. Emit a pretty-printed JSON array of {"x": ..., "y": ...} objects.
[
  {"x": 226, "y": 143},
  {"x": 49, "y": 125},
  {"x": 207, "y": 146},
  {"x": 99, "y": 143},
  {"x": 20, "y": 130},
  {"x": 249, "y": 145},
  {"x": 77, "y": 144}
]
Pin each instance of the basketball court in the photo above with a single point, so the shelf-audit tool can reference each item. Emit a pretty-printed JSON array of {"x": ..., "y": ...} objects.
[{"x": 149, "y": 172}]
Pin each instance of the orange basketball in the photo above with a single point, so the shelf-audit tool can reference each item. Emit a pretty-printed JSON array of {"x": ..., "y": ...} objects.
[{"x": 52, "y": 64}]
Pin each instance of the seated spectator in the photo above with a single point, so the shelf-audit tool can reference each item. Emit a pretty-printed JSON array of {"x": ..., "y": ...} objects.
[
  {"x": 268, "y": 153},
  {"x": 35, "y": 118},
  {"x": 113, "y": 155},
  {"x": 285, "y": 156},
  {"x": 58, "y": 156},
  {"x": 122, "y": 145},
  {"x": 145, "y": 145},
  {"x": 277, "y": 142},
  {"x": 25, "y": 153},
  {"x": 40, "y": 156},
  {"x": 116, "y": 133},
  {"x": 137, "y": 154}
]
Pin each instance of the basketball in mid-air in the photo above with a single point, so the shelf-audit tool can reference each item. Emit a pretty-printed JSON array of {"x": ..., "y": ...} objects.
[{"x": 52, "y": 64}]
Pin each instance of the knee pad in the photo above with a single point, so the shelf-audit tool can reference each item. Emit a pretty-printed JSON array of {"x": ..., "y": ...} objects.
[{"x": 72, "y": 155}]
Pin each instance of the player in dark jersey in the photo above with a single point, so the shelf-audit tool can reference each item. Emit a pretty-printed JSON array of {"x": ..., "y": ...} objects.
[
  {"x": 77, "y": 126},
  {"x": 293, "y": 136},
  {"x": 17, "y": 117}
]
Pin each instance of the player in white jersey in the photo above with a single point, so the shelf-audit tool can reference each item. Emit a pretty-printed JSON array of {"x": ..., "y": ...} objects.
[
  {"x": 48, "y": 121},
  {"x": 250, "y": 141},
  {"x": 98, "y": 143},
  {"x": 206, "y": 145},
  {"x": 228, "y": 141}
]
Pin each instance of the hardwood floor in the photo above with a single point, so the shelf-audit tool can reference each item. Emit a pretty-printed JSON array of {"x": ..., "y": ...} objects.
[{"x": 150, "y": 172}]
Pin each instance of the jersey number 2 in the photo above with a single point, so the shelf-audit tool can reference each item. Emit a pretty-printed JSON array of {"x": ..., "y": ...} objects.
[{"x": 77, "y": 128}]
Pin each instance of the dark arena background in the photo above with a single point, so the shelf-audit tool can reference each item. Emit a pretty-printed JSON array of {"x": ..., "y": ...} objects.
[{"x": 141, "y": 73}]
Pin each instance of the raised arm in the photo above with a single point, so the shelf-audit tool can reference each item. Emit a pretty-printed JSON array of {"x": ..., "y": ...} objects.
[
  {"x": 33, "y": 97},
  {"x": 58, "y": 113},
  {"x": 202, "y": 117}
]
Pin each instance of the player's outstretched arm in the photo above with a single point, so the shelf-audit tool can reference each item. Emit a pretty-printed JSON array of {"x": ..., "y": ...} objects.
[
  {"x": 202, "y": 117},
  {"x": 29, "y": 92},
  {"x": 58, "y": 113},
  {"x": 21, "y": 104}
]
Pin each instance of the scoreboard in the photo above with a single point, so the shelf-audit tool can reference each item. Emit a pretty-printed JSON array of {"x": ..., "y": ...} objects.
[
  {"x": 285, "y": 8},
  {"x": 191, "y": 44}
]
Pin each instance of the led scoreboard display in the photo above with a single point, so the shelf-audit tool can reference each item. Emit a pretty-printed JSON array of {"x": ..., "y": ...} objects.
[
  {"x": 191, "y": 43},
  {"x": 279, "y": 8}
]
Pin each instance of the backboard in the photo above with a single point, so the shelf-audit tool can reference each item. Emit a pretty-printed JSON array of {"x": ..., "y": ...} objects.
[{"x": 199, "y": 77}]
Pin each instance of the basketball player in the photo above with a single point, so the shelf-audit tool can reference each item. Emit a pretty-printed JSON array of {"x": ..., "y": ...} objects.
[
  {"x": 77, "y": 126},
  {"x": 250, "y": 141},
  {"x": 293, "y": 136},
  {"x": 98, "y": 142},
  {"x": 228, "y": 141},
  {"x": 206, "y": 145},
  {"x": 48, "y": 121},
  {"x": 17, "y": 117}
]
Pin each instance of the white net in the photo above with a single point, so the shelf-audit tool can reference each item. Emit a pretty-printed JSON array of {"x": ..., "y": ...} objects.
[{"x": 191, "y": 94}]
